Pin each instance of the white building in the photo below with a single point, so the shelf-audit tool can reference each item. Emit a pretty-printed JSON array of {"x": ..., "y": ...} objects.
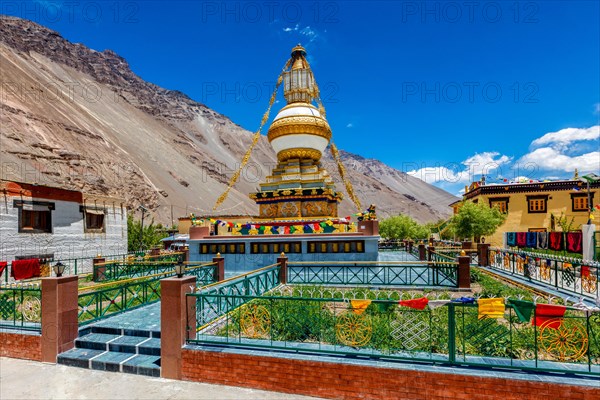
[{"x": 55, "y": 224}]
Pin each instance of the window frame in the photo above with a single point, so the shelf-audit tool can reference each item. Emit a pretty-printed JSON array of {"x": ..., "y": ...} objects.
[
  {"x": 584, "y": 195},
  {"x": 84, "y": 211},
  {"x": 543, "y": 198},
  {"x": 20, "y": 206},
  {"x": 504, "y": 200}
]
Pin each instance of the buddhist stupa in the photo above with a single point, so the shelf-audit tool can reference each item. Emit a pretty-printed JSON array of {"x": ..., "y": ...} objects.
[{"x": 299, "y": 187}]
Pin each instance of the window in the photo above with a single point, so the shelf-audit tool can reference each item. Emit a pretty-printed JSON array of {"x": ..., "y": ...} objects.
[
  {"x": 579, "y": 201},
  {"x": 537, "y": 204},
  {"x": 223, "y": 248},
  {"x": 34, "y": 216},
  {"x": 501, "y": 203},
  {"x": 93, "y": 219}
]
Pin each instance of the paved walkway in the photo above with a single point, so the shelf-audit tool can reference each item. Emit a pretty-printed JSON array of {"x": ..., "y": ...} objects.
[{"x": 21, "y": 379}]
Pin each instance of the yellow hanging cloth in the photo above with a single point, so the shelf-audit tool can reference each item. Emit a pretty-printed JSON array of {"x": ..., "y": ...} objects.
[
  {"x": 491, "y": 308},
  {"x": 359, "y": 306}
]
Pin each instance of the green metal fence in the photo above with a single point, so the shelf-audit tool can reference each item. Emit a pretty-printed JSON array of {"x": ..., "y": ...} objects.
[
  {"x": 440, "y": 272},
  {"x": 112, "y": 298},
  {"x": 451, "y": 334},
  {"x": 21, "y": 307},
  {"x": 571, "y": 275},
  {"x": 217, "y": 299},
  {"x": 115, "y": 271}
]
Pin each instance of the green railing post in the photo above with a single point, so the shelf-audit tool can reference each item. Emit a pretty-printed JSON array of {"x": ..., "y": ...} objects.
[
  {"x": 75, "y": 266},
  {"x": 451, "y": 333},
  {"x": 555, "y": 273}
]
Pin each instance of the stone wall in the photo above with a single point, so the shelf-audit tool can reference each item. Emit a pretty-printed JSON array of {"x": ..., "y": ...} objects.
[
  {"x": 357, "y": 381},
  {"x": 17, "y": 345}
]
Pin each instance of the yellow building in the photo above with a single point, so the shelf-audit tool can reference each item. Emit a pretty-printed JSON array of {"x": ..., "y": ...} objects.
[{"x": 535, "y": 206}]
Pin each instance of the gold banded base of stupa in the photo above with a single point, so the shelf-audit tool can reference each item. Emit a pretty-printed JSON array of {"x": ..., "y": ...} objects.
[{"x": 297, "y": 189}]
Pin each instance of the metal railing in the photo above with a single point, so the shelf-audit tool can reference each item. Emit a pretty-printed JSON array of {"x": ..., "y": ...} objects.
[
  {"x": 21, "y": 307},
  {"x": 115, "y": 271},
  {"x": 568, "y": 274},
  {"x": 101, "y": 301},
  {"x": 219, "y": 298},
  {"x": 452, "y": 334},
  {"x": 442, "y": 272}
]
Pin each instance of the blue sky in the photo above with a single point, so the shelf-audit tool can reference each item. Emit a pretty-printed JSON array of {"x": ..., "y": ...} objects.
[{"x": 442, "y": 90}]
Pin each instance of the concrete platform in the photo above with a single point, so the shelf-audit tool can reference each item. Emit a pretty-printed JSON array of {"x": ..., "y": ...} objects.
[{"x": 20, "y": 379}]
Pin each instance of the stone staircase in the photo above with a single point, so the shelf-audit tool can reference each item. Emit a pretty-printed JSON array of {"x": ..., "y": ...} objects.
[{"x": 134, "y": 351}]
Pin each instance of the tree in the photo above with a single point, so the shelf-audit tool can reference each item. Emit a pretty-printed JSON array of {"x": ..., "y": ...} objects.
[
  {"x": 402, "y": 227},
  {"x": 150, "y": 237},
  {"x": 474, "y": 220}
]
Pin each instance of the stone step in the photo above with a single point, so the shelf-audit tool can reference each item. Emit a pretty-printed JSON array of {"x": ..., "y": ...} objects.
[
  {"x": 109, "y": 330},
  {"x": 140, "y": 364},
  {"x": 119, "y": 343}
]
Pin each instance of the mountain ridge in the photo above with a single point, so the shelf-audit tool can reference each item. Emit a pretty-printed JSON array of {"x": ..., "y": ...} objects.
[{"x": 54, "y": 127}]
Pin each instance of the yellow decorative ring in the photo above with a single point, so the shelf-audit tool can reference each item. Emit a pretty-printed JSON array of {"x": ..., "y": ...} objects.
[
  {"x": 295, "y": 125},
  {"x": 301, "y": 153}
]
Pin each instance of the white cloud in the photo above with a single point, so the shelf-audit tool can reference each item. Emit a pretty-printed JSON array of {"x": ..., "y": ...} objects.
[
  {"x": 567, "y": 136},
  {"x": 551, "y": 159},
  {"x": 463, "y": 172},
  {"x": 350, "y": 125},
  {"x": 311, "y": 33},
  {"x": 566, "y": 150}
]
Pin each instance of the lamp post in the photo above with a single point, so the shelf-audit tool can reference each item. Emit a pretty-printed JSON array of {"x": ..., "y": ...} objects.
[
  {"x": 180, "y": 268},
  {"x": 58, "y": 268}
]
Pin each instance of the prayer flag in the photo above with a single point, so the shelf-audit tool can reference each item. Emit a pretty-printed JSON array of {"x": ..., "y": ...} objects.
[
  {"x": 359, "y": 306},
  {"x": 523, "y": 309},
  {"x": 418, "y": 304},
  {"x": 491, "y": 308},
  {"x": 546, "y": 312}
]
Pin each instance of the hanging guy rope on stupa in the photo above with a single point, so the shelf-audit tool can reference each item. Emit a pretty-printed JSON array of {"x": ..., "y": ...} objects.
[
  {"x": 255, "y": 139},
  {"x": 336, "y": 155}
]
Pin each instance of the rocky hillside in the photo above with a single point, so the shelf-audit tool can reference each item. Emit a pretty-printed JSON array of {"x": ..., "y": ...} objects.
[{"x": 74, "y": 117}]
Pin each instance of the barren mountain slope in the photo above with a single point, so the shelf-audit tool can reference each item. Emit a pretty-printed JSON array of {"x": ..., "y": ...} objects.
[{"x": 78, "y": 118}]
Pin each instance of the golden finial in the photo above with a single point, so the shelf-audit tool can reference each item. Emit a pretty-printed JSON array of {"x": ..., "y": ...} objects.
[
  {"x": 282, "y": 254},
  {"x": 576, "y": 176},
  {"x": 463, "y": 253},
  {"x": 218, "y": 255}
]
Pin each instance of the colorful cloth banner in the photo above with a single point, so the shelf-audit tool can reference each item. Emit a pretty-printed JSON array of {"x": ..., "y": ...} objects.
[
  {"x": 523, "y": 309},
  {"x": 546, "y": 312},
  {"x": 438, "y": 303},
  {"x": 418, "y": 304},
  {"x": 574, "y": 240},
  {"x": 464, "y": 300},
  {"x": 532, "y": 239},
  {"x": 491, "y": 308},
  {"x": 511, "y": 239},
  {"x": 555, "y": 241},
  {"x": 542, "y": 240},
  {"x": 359, "y": 306},
  {"x": 521, "y": 239}
]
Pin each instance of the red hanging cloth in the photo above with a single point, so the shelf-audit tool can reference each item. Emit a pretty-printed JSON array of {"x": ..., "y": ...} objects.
[
  {"x": 25, "y": 269},
  {"x": 556, "y": 242},
  {"x": 574, "y": 240},
  {"x": 521, "y": 239},
  {"x": 545, "y": 312},
  {"x": 418, "y": 304},
  {"x": 3, "y": 265}
]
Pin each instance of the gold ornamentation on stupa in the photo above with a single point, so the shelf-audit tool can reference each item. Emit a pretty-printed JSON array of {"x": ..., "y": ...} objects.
[{"x": 299, "y": 186}]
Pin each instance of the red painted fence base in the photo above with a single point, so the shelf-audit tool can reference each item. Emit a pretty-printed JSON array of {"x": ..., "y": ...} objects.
[{"x": 346, "y": 381}]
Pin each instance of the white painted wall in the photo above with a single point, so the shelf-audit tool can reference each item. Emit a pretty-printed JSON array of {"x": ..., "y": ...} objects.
[{"x": 68, "y": 239}]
